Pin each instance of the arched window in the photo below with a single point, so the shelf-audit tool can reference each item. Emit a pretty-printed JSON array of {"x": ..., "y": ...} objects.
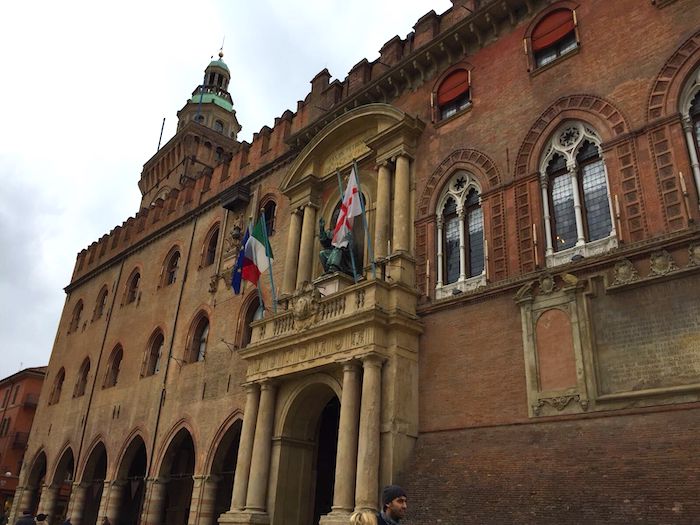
[
  {"x": 254, "y": 312},
  {"x": 460, "y": 237},
  {"x": 171, "y": 265},
  {"x": 219, "y": 126},
  {"x": 210, "y": 244},
  {"x": 454, "y": 93},
  {"x": 577, "y": 211},
  {"x": 81, "y": 383},
  {"x": 553, "y": 36},
  {"x": 55, "y": 396},
  {"x": 154, "y": 353},
  {"x": 132, "y": 287},
  {"x": 199, "y": 118},
  {"x": 690, "y": 112},
  {"x": 113, "y": 366},
  {"x": 198, "y": 340},
  {"x": 75, "y": 319},
  {"x": 101, "y": 303},
  {"x": 270, "y": 208}
]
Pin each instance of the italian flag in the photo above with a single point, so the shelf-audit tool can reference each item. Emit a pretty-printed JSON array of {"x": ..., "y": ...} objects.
[{"x": 258, "y": 254}]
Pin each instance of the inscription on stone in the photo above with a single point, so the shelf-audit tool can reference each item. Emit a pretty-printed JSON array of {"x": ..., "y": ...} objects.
[{"x": 648, "y": 337}]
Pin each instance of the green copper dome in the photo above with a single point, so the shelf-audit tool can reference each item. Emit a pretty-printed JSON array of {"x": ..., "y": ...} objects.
[{"x": 218, "y": 63}]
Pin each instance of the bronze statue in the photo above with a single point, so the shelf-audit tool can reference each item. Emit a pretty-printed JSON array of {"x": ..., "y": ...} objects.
[{"x": 333, "y": 259}]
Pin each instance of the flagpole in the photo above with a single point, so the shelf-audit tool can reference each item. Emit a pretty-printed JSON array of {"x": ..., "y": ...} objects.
[
  {"x": 370, "y": 249},
  {"x": 268, "y": 250},
  {"x": 352, "y": 255}
]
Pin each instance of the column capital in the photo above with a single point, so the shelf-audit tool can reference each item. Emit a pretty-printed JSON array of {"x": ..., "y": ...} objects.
[
  {"x": 372, "y": 360},
  {"x": 251, "y": 386},
  {"x": 350, "y": 365},
  {"x": 402, "y": 154},
  {"x": 383, "y": 163},
  {"x": 267, "y": 384}
]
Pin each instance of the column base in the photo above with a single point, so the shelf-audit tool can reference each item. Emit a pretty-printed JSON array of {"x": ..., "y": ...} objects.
[
  {"x": 336, "y": 517},
  {"x": 245, "y": 517}
]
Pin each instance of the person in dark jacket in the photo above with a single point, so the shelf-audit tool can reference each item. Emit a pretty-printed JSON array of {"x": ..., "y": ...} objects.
[
  {"x": 26, "y": 519},
  {"x": 394, "y": 505}
]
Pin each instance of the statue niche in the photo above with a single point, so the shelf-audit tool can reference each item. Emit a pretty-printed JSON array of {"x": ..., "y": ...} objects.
[{"x": 333, "y": 259}]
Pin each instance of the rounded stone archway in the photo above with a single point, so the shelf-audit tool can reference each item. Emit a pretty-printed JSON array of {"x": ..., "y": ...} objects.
[
  {"x": 129, "y": 485},
  {"x": 307, "y": 444},
  {"x": 54, "y": 500},
  {"x": 176, "y": 473},
  {"x": 91, "y": 487}
]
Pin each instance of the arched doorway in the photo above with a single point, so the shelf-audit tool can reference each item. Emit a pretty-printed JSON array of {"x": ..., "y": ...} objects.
[
  {"x": 62, "y": 485},
  {"x": 223, "y": 468},
  {"x": 131, "y": 473},
  {"x": 307, "y": 446},
  {"x": 33, "y": 486},
  {"x": 177, "y": 470},
  {"x": 93, "y": 483}
]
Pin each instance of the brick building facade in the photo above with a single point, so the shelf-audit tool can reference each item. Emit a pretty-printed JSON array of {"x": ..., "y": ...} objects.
[
  {"x": 524, "y": 349},
  {"x": 19, "y": 396}
]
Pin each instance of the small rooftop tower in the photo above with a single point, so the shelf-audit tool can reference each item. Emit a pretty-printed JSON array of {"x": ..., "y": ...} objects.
[{"x": 211, "y": 104}]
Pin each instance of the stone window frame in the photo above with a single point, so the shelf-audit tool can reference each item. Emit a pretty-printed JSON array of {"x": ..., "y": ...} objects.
[
  {"x": 100, "y": 302},
  {"x": 83, "y": 374},
  {"x": 168, "y": 271},
  {"x": 150, "y": 367},
  {"x": 197, "y": 339},
  {"x": 132, "y": 288},
  {"x": 207, "y": 256},
  {"x": 561, "y": 143},
  {"x": 463, "y": 283},
  {"x": 435, "y": 110},
  {"x": 532, "y": 67},
  {"x": 57, "y": 387},
  {"x": 75, "y": 317},
  {"x": 691, "y": 124},
  {"x": 111, "y": 377}
]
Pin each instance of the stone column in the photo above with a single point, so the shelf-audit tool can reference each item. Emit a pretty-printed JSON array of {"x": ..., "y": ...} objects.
[
  {"x": 116, "y": 496},
  {"x": 292, "y": 260},
  {"x": 104, "y": 501},
  {"x": 77, "y": 504},
  {"x": 47, "y": 504},
  {"x": 544, "y": 185},
  {"x": 346, "y": 459},
  {"x": 245, "y": 448},
  {"x": 690, "y": 142},
  {"x": 367, "y": 485},
  {"x": 23, "y": 501},
  {"x": 383, "y": 211},
  {"x": 207, "y": 501},
  {"x": 155, "y": 504},
  {"x": 462, "y": 247},
  {"x": 306, "y": 249},
  {"x": 262, "y": 448},
  {"x": 439, "y": 253},
  {"x": 402, "y": 206},
  {"x": 578, "y": 213}
]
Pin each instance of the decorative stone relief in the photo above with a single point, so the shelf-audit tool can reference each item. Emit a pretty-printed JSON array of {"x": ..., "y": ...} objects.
[
  {"x": 662, "y": 263},
  {"x": 232, "y": 241},
  {"x": 559, "y": 403},
  {"x": 625, "y": 272},
  {"x": 694, "y": 255},
  {"x": 547, "y": 285},
  {"x": 306, "y": 306}
]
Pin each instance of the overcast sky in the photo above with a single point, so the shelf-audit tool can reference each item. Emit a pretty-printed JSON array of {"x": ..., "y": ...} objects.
[{"x": 85, "y": 86}]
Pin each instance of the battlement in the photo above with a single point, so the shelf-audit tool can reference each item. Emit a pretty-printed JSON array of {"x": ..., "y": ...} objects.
[{"x": 402, "y": 64}]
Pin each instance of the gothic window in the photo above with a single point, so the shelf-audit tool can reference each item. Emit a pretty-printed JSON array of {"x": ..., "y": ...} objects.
[
  {"x": 132, "y": 287},
  {"x": 460, "y": 236},
  {"x": 75, "y": 319},
  {"x": 198, "y": 340},
  {"x": 575, "y": 194},
  {"x": 269, "y": 209},
  {"x": 81, "y": 383},
  {"x": 210, "y": 244},
  {"x": 55, "y": 396},
  {"x": 113, "y": 366},
  {"x": 254, "y": 312},
  {"x": 454, "y": 94},
  {"x": 101, "y": 303},
  {"x": 154, "y": 354},
  {"x": 171, "y": 266},
  {"x": 690, "y": 112},
  {"x": 554, "y": 36}
]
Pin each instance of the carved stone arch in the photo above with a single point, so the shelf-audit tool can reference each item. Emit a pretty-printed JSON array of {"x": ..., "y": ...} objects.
[
  {"x": 80, "y": 467},
  {"x": 183, "y": 424},
  {"x": 39, "y": 455},
  {"x": 477, "y": 163},
  {"x": 65, "y": 449},
  {"x": 602, "y": 115},
  {"x": 119, "y": 459},
  {"x": 236, "y": 415},
  {"x": 666, "y": 90},
  {"x": 296, "y": 397}
]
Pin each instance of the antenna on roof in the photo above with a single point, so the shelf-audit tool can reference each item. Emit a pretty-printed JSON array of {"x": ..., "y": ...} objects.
[{"x": 223, "y": 40}]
